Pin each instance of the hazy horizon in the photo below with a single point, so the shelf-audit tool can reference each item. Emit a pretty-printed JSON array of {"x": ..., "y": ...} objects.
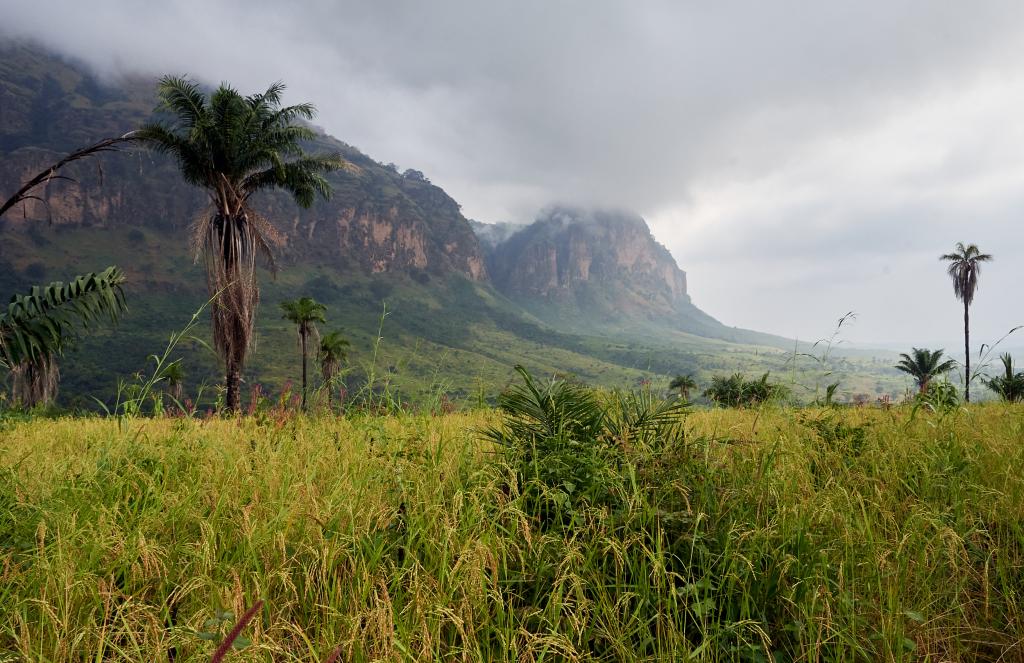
[{"x": 799, "y": 162}]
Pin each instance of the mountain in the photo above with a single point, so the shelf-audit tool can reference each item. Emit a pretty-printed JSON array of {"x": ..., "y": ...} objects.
[
  {"x": 599, "y": 269},
  {"x": 432, "y": 302}
]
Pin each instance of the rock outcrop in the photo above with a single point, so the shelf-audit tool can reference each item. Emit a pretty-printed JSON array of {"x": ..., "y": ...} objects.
[{"x": 587, "y": 257}]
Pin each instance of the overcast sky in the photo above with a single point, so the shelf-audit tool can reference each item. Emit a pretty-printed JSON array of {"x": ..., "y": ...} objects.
[{"x": 799, "y": 159}]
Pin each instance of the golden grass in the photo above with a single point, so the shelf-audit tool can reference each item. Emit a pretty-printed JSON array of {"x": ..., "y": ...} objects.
[{"x": 397, "y": 538}]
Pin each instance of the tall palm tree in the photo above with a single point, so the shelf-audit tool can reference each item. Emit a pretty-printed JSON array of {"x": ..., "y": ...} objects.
[
  {"x": 37, "y": 328},
  {"x": 304, "y": 312},
  {"x": 333, "y": 351},
  {"x": 964, "y": 268},
  {"x": 924, "y": 365},
  {"x": 684, "y": 383},
  {"x": 234, "y": 147}
]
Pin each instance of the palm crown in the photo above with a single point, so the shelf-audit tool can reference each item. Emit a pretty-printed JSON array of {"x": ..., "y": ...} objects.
[
  {"x": 333, "y": 350},
  {"x": 684, "y": 384},
  {"x": 964, "y": 268},
  {"x": 924, "y": 365},
  {"x": 304, "y": 312},
  {"x": 1009, "y": 385}
]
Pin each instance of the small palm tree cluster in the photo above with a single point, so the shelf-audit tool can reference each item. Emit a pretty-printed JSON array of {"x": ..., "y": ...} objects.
[
  {"x": 332, "y": 350},
  {"x": 964, "y": 267}
]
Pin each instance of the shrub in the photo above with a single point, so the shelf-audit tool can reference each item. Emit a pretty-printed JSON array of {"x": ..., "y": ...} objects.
[
  {"x": 736, "y": 391},
  {"x": 567, "y": 445}
]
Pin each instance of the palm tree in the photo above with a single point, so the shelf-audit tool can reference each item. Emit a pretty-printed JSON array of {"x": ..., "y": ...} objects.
[
  {"x": 684, "y": 383},
  {"x": 333, "y": 351},
  {"x": 964, "y": 268},
  {"x": 305, "y": 313},
  {"x": 235, "y": 147},
  {"x": 1009, "y": 385},
  {"x": 37, "y": 328},
  {"x": 174, "y": 375},
  {"x": 924, "y": 365}
]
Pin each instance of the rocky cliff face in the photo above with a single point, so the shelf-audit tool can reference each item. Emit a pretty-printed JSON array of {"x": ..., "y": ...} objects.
[
  {"x": 585, "y": 257},
  {"x": 378, "y": 220}
]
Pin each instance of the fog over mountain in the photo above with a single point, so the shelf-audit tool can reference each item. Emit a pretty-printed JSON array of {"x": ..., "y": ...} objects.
[{"x": 799, "y": 160}]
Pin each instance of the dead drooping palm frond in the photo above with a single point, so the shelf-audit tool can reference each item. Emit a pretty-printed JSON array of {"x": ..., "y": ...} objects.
[{"x": 50, "y": 174}]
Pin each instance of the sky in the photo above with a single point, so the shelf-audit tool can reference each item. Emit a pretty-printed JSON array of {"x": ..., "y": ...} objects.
[{"x": 799, "y": 159}]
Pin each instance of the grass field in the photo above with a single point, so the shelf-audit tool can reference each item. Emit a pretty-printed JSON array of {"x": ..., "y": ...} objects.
[{"x": 774, "y": 534}]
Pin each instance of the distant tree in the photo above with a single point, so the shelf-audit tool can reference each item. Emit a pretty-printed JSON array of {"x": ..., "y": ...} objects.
[
  {"x": 964, "y": 268},
  {"x": 1010, "y": 385},
  {"x": 36, "y": 329},
  {"x": 736, "y": 391},
  {"x": 174, "y": 376},
  {"x": 684, "y": 384},
  {"x": 924, "y": 366},
  {"x": 235, "y": 147},
  {"x": 333, "y": 352},
  {"x": 304, "y": 313}
]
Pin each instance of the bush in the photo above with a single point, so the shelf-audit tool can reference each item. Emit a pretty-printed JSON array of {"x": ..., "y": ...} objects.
[
  {"x": 736, "y": 391},
  {"x": 939, "y": 396},
  {"x": 567, "y": 446}
]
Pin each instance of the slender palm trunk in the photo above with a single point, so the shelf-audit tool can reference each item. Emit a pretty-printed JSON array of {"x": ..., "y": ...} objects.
[
  {"x": 233, "y": 380},
  {"x": 967, "y": 353},
  {"x": 302, "y": 341}
]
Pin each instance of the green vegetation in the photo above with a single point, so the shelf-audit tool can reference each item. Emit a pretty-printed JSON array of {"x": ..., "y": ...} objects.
[
  {"x": 571, "y": 523},
  {"x": 37, "y": 328},
  {"x": 736, "y": 391},
  {"x": 1010, "y": 385},
  {"x": 856, "y": 535},
  {"x": 235, "y": 147}
]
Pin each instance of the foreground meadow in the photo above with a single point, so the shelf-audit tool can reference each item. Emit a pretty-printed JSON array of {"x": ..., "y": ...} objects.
[{"x": 779, "y": 534}]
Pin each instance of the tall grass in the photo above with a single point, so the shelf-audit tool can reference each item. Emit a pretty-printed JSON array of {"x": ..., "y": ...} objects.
[{"x": 787, "y": 535}]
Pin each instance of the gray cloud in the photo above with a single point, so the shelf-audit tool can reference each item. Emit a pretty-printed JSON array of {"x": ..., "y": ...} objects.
[{"x": 799, "y": 159}]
